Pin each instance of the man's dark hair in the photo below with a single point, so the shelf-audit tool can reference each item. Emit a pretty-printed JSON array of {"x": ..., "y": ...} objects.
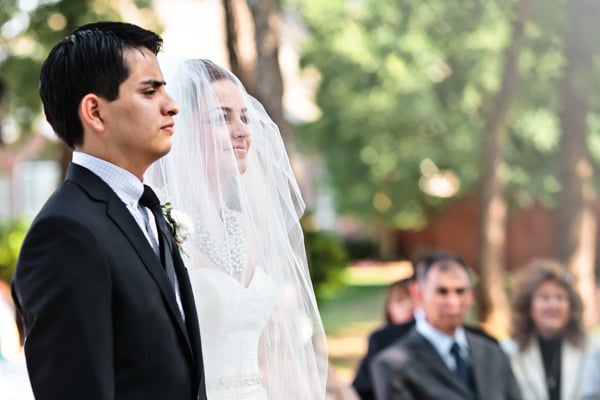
[
  {"x": 90, "y": 60},
  {"x": 423, "y": 263}
]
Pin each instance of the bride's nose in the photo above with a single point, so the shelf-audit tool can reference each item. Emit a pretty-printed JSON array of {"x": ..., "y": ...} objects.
[{"x": 240, "y": 130}]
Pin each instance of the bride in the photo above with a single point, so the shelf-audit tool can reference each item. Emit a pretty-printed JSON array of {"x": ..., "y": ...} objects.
[{"x": 228, "y": 171}]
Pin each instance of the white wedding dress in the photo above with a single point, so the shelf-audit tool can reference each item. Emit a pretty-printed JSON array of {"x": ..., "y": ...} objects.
[{"x": 232, "y": 318}]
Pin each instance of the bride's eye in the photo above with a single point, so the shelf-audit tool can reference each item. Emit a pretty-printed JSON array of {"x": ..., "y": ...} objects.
[
  {"x": 218, "y": 119},
  {"x": 245, "y": 119}
]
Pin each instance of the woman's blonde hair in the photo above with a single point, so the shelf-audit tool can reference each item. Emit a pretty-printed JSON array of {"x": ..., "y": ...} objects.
[{"x": 528, "y": 281}]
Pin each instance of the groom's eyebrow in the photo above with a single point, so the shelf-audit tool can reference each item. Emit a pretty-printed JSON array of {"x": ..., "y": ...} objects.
[{"x": 155, "y": 83}]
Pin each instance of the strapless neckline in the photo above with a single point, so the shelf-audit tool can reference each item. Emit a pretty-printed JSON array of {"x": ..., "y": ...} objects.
[{"x": 232, "y": 318}]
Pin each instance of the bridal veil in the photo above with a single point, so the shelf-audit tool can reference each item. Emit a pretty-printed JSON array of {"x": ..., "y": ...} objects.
[{"x": 228, "y": 176}]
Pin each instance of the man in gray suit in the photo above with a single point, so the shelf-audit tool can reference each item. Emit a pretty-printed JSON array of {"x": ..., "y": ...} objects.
[{"x": 439, "y": 358}]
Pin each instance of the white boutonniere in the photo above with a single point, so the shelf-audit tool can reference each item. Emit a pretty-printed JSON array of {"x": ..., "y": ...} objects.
[{"x": 180, "y": 225}]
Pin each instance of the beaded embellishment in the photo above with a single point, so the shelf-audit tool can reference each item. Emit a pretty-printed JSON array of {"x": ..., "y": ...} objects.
[{"x": 230, "y": 255}]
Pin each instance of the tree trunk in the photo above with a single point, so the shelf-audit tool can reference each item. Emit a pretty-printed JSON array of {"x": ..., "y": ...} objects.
[
  {"x": 576, "y": 221},
  {"x": 260, "y": 71},
  {"x": 240, "y": 42},
  {"x": 269, "y": 82},
  {"x": 492, "y": 303},
  {"x": 231, "y": 36}
]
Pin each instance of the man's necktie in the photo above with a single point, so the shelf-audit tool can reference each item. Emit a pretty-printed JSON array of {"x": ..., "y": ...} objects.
[
  {"x": 150, "y": 200},
  {"x": 462, "y": 367},
  {"x": 145, "y": 202}
]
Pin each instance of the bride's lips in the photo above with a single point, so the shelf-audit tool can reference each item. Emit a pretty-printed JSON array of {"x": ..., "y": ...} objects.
[{"x": 240, "y": 149}]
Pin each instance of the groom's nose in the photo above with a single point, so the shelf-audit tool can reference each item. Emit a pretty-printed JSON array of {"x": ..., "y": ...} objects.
[{"x": 170, "y": 105}]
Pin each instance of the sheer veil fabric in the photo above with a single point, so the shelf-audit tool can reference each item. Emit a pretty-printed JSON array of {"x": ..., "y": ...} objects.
[{"x": 228, "y": 171}]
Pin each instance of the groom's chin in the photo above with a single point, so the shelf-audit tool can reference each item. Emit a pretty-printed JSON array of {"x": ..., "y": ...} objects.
[{"x": 165, "y": 149}]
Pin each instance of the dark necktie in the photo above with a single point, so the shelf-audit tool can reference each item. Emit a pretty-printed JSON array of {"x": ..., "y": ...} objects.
[
  {"x": 462, "y": 368},
  {"x": 150, "y": 200}
]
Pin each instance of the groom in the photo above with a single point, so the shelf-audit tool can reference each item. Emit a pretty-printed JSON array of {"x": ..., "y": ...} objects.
[{"x": 103, "y": 317}]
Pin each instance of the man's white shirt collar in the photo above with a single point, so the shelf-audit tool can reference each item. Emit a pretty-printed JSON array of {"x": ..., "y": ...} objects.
[
  {"x": 126, "y": 185},
  {"x": 441, "y": 341}
]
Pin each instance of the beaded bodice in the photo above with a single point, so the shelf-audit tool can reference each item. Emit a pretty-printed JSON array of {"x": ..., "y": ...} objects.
[{"x": 232, "y": 318}]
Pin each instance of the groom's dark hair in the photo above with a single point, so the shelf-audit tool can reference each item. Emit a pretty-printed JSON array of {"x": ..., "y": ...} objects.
[{"x": 89, "y": 60}]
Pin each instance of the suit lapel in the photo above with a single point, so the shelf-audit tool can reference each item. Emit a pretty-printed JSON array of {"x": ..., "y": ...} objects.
[
  {"x": 189, "y": 306},
  {"x": 119, "y": 214},
  {"x": 432, "y": 361},
  {"x": 481, "y": 376},
  {"x": 173, "y": 262},
  {"x": 532, "y": 369}
]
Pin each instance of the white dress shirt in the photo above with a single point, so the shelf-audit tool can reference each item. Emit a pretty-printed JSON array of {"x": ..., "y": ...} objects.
[
  {"x": 443, "y": 342},
  {"x": 125, "y": 185}
]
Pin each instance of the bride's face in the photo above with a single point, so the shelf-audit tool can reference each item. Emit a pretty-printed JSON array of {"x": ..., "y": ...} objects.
[{"x": 231, "y": 116}]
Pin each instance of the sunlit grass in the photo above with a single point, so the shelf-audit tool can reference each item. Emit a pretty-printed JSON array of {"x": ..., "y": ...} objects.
[
  {"x": 380, "y": 274},
  {"x": 350, "y": 314}
]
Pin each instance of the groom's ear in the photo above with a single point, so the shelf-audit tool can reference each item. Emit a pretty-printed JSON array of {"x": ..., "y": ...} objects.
[{"x": 89, "y": 112}]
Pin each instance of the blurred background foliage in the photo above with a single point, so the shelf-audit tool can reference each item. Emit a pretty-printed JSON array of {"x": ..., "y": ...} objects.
[
  {"x": 30, "y": 28},
  {"x": 12, "y": 234},
  {"x": 404, "y": 90},
  {"x": 327, "y": 260},
  {"x": 403, "y": 82}
]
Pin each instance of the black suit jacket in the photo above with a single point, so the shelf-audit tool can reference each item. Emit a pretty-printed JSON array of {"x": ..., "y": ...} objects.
[
  {"x": 412, "y": 369},
  {"x": 100, "y": 315},
  {"x": 378, "y": 340}
]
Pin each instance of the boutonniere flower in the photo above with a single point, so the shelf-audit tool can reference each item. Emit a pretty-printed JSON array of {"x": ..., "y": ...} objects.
[{"x": 180, "y": 224}]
